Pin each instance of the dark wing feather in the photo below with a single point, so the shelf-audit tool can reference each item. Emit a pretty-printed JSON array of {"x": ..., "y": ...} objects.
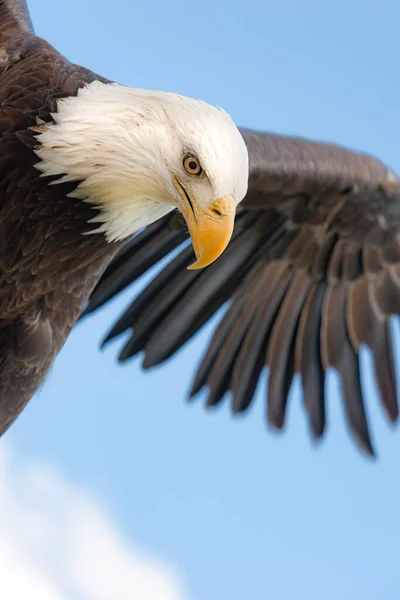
[
  {"x": 280, "y": 354},
  {"x": 308, "y": 358},
  {"x": 267, "y": 296},
  {"x": 311, "y": 275}
]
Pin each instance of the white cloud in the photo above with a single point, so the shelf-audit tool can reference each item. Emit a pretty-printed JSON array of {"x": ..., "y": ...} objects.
[{"x": 57, "y": 543}]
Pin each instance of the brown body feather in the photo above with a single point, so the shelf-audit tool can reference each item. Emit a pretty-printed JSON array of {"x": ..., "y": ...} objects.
[
  {"x": 311, "y": 274},
  {"x": 47, "y": 267}
]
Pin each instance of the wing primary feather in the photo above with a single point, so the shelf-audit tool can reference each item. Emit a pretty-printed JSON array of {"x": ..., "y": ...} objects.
[
  {"x": 338, "y": 352},
  {"x": 280, "y": 354},
  {"x": 391, "y": 250},
  {"x": 352, "y": 263},
  {"x": 233, "y": 313},
  {"x": 219, "y": 377},
  {"x": 387, "y": 290},
  {"x": 217, "y": 341},
  {"x": 308, "y": 358},
  {"x": 334, "y": 270},
  {"x": 220, "y": 374},
  {"x": 371, "y": 259},
  {"x": 385, "y": 374},
  {"x": 367, "y": 326},
  {"x": 321, "y": 261},
  {"x": 251, "y": 358}
]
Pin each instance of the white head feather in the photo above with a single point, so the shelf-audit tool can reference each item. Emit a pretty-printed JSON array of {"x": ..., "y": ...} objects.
[{"x": 124, "y": 145}]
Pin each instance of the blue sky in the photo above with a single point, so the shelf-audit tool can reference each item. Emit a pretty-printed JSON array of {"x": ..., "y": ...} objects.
[{"x": 239, "y": 511}]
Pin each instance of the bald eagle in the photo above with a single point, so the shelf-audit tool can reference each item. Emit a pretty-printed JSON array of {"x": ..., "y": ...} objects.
[{"x": 99, "y": 182}]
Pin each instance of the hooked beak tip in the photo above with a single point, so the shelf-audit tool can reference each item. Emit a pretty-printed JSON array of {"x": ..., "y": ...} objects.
[{"x": 211, "y": 231}]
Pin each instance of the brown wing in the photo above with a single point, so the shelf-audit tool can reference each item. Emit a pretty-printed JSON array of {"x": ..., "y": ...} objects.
[{"x": 311, "y": 274}]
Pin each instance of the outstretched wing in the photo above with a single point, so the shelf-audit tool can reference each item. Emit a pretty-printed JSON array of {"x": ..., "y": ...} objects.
[{"x": 312, "y": 273}]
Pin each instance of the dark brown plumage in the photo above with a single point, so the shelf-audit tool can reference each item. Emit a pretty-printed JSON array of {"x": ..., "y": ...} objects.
[
  {"x": 47, "y": 267},
  {"x": 311, "y": 274}
]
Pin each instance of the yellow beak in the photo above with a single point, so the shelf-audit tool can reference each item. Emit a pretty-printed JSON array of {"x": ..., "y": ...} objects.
[{"x": 210, "y": 228}]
